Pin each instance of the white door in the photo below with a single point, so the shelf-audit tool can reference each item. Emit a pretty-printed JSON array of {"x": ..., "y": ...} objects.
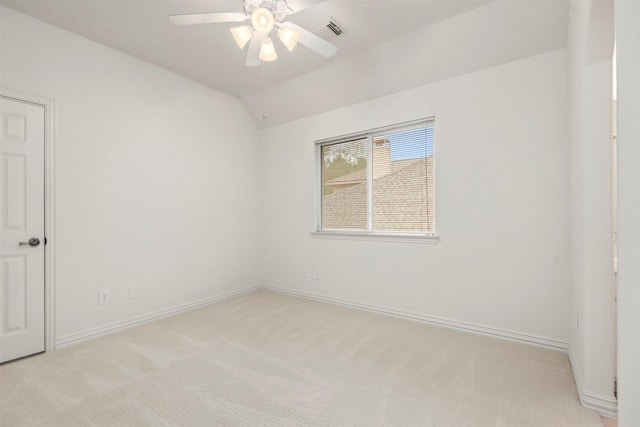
[{"x": 22, "y": 133}]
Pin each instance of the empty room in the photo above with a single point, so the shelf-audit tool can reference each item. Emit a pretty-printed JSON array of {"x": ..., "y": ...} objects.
[{"x": 320, "y": 213}]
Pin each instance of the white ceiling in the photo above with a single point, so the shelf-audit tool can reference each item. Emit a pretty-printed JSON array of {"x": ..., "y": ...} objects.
[{"x": 207, "y": 53}]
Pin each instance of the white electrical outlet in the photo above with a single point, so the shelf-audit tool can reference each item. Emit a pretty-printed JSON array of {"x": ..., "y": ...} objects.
[
  {"x": 103, "y": 297},
  {"x": 311, "y": 274}
]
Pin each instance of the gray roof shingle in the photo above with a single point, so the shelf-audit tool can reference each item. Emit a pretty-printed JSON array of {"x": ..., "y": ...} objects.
[{"x": 402, "y": 200}]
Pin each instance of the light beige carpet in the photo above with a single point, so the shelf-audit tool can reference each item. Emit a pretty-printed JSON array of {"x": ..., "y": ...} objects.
[{"x": 270, "y": 360}]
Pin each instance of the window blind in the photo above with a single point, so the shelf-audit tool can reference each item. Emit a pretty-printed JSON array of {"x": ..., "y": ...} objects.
[{"x": 403, "y": 190}]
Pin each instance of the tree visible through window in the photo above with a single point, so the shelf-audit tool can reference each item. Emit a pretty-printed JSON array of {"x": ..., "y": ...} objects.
[{"x": 381, "y": 181}]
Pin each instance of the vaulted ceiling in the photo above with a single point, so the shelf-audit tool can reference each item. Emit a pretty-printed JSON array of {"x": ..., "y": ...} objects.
[{"x": 390, "y": 45}]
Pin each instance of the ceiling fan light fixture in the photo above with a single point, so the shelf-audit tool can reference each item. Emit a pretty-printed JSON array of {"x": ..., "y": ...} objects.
[
  {"x": 266, "y": 16},
  {"x": 241, "y": 35},
  {"x": 262, "y": 20},
  {"x": 268, "y": 51},
  {"x": 289, "y": 37}
]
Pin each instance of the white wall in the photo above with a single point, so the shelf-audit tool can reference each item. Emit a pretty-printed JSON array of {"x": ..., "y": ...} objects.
[
  {"x": 591, "y": 346},
  {"x": 502, "y": 199},
  {"x": 157, "y": 177},
  {"x": 627, "y": 20}
]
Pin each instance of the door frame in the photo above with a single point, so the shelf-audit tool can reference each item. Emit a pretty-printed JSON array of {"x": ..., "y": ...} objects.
[{"x": 49, "y": 209}]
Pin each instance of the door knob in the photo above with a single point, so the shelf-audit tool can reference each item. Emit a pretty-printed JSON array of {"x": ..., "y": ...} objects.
[{"x": 34, "y": 241}]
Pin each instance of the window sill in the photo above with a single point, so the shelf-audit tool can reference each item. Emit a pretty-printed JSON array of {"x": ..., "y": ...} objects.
[{"x": 379, "y": 237}]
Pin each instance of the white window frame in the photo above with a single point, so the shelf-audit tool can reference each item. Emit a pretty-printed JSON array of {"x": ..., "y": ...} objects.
[{"x": 368, "y": 234}]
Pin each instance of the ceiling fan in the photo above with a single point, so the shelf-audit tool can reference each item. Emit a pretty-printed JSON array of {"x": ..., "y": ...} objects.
[{"x": 265, "y": 15}]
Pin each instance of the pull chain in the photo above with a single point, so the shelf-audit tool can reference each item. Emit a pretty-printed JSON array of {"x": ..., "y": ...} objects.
[{"x": 262, "y": 116}]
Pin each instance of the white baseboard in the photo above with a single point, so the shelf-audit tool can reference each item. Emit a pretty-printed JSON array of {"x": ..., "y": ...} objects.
[
  {"x": 432, "y": 320},
  {"x": 139, "y": 320},
  {"x": 604, "y": 405}
]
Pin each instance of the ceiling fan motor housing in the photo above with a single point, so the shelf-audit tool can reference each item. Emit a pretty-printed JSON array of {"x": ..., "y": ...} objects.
[{"x": 279, "y": 8}]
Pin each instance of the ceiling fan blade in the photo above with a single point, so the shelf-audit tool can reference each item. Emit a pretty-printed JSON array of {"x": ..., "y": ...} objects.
[
  {"x": 207, "y": 18},
  {"x": 313, "y": 42},
  {"x": 253, "y": 59},
  {"x": 298, "y": 5}
]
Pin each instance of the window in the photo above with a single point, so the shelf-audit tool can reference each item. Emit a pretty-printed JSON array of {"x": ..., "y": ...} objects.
[{"x": 378, "y": 182}]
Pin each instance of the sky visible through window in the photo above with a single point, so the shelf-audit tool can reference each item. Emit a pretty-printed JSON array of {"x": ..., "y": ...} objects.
[{"x": 411, "y": 144}]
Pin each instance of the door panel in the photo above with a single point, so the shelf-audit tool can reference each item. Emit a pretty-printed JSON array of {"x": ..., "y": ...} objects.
[
  {"x": 15, "y": 291},
  {"x": 15, "y": 189},
  {"x": 22, "y": 132}
]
